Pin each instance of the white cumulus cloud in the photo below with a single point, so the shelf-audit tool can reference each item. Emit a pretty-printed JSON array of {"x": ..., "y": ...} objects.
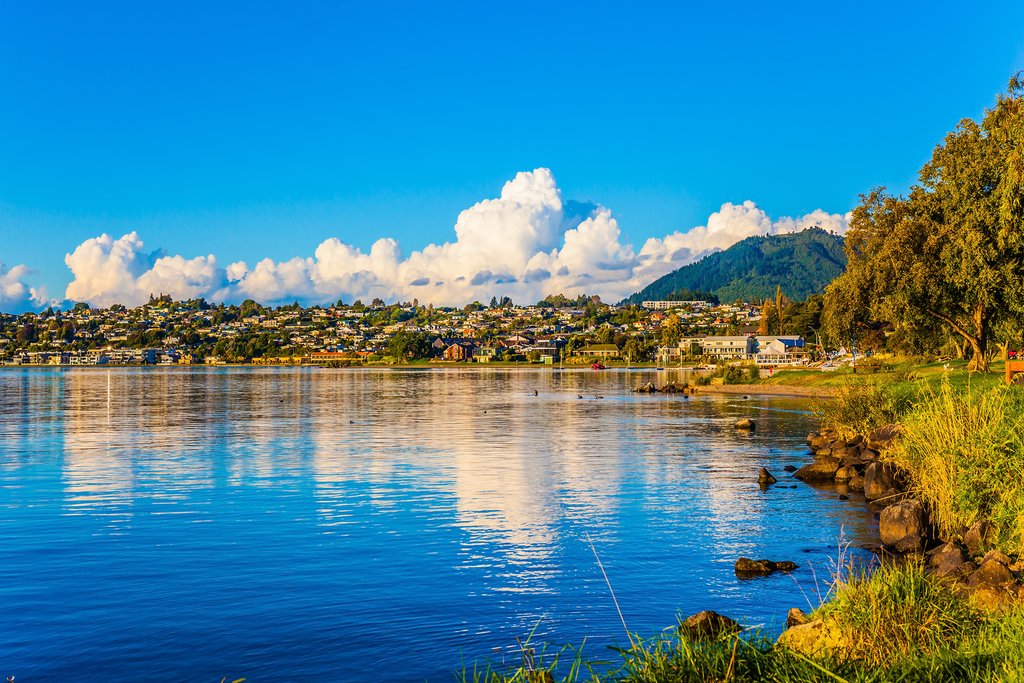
[
  {"x": 526, "y": 243},
  {"x": 15, "y": 293},
  {"x": 116, "y": 271}
]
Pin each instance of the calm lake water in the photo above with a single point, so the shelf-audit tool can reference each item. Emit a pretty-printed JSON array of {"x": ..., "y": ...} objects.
[{"x": 345, "y": 525}]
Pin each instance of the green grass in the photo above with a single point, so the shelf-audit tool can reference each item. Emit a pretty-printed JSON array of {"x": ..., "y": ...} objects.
[
  {"x": 964, "y": 452},
  {"x": 897, "y": 625},
  {"x": 860, "y": 408},
  {"x": 902, "y": 374}
]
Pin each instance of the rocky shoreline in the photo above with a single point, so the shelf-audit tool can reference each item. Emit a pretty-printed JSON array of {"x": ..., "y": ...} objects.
[
  {"x": 905, "y": 525},
  {"x": 967, "y": 560}
]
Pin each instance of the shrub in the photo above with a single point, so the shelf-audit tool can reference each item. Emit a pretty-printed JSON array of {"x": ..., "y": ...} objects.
[
  {"x": 964, "y": 452},
  {"x": 861, "y": 408}
]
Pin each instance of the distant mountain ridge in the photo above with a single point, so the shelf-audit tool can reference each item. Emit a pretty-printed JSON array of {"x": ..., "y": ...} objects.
[{"x": 803, "y": 263}]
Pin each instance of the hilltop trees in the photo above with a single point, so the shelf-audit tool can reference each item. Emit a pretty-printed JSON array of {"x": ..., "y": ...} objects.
[{"x": 952, "y": 252}]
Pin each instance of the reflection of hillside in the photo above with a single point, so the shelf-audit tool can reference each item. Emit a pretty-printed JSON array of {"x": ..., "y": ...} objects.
[
  {"x": 516, "y": 464},
  {"x": 98, "y": 477}
]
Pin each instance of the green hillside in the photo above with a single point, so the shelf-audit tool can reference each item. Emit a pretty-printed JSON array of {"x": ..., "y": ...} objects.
[{"x": 802, "y": 262}]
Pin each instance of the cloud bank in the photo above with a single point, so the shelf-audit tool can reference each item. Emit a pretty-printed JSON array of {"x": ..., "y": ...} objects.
[{"x": 526, "y": 243}]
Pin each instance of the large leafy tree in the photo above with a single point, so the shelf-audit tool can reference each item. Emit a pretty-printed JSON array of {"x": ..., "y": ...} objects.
[{"x": 952, "y": 252}]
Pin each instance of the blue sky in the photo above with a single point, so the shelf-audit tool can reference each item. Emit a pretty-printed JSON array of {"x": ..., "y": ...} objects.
[{"x": 255, "y": 130}]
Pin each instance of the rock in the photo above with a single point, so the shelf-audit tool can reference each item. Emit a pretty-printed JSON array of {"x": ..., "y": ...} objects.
[
  {"x": 880, "y": 438},
  {"x": 978, "y": 537},
  {"x": 855, "y": 441},
  {"x": 765, "y": 477},
  {"x": 843, "y": 496},
  {"x": 746, "y": 568},
  {"x": 746, "y": 424},
  {"x": 823, "y": 469},
  {"x": 879, "y": 480},
  {"x": 992, "y": 585},
  {"x": 997, "y": 556},
  {"x": 903, "y": 526},
  {"x": 789, "y": 468},
  {"x": 948, "y": 561},
  {"x": 708, "y": 625},
  {"x": 796, "y": 617},
  {"x": 856, "y": 483},
  {"x": 845, "y": 473},
  {"x": 817, "y": 441},
  {"x": 814, "y": 638}
]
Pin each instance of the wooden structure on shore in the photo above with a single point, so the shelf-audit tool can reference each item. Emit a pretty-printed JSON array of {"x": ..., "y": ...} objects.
[{"x": 1015, "y": 371}]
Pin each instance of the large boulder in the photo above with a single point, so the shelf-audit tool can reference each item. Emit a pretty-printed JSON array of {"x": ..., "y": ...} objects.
[
  {"x": 708, "y": 625},
  {"x": 814, "y": 638},
  {"x": 903, "y": 526},
  {"x": 882, "y": 437},
  {"x": 765, "y": 478},
  {"x": 822, "y": 469},
  {"x": 880, "y": 480}
]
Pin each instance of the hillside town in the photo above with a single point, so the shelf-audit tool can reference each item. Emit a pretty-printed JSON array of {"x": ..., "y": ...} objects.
[{"x": 556, "y": 330}]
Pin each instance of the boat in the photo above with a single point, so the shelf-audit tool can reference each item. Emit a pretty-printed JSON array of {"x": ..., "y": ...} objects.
[{"x": 598, "y": 366}]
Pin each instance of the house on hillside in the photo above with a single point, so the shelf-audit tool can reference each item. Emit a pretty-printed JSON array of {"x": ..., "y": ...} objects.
[
  {"x": 458, "y": 351},
  {"x": 598, "y": 350}
]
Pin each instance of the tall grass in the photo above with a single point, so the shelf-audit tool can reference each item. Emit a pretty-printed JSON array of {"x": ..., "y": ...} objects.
[
  {"x": 899, "y": 612},
  {"x": 861, "y": 408},
  {"x": 898, "y": 624},
  {"x": 964, "y": 452}
]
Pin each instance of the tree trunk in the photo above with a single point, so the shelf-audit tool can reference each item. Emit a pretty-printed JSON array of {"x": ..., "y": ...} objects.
[{"x": 979, "y": 361}]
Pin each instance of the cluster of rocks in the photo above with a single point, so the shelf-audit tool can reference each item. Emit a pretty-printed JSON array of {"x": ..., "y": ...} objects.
[
  {"x": 967, "y": 559},
  {"x": 905, "y": 523},
  {"x": 854, "y": 463},
  {"x": 747, "y": 569},
  {"x": 670, "y": 388}
]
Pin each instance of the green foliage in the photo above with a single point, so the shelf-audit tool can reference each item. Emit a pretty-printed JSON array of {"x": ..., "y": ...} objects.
[
  {"x": 859, "y": 408},
  {"x": 950, "y": 256},
  {"x": 409, "y": 346},
  {"x": 802, "y": 263},
  {"x": 964, "y": 453}
]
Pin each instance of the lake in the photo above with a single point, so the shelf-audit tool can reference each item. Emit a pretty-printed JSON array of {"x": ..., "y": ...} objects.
[{"x": 309, "y": 524}]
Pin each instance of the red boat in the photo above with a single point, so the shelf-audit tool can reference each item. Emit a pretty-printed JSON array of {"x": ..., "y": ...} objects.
[{"x": 598, "y": 366}]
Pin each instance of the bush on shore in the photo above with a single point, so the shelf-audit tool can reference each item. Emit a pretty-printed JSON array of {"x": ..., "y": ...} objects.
[{"x": 964, "y": 454}]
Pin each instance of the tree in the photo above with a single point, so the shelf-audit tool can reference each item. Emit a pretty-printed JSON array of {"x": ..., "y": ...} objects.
[
  {"x": 953, "y": 250},
  {"x": 671, "y": 330},
  {"x": 409, "y": 345}
]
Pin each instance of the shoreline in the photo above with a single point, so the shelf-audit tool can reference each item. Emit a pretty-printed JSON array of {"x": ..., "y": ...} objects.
[{"x": 768, "y": 390}]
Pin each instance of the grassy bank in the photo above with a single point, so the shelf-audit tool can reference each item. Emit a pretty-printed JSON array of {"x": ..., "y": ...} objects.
[
  {"x": 903, "y": 374},
  {"x": 898, "y": 624}
]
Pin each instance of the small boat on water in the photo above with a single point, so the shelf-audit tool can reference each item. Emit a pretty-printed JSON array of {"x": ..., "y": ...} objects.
[{"x": 598, "y": 366}]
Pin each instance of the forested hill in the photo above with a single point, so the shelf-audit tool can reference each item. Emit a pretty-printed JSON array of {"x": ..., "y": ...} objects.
[{"x": 802, "y": 263}]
